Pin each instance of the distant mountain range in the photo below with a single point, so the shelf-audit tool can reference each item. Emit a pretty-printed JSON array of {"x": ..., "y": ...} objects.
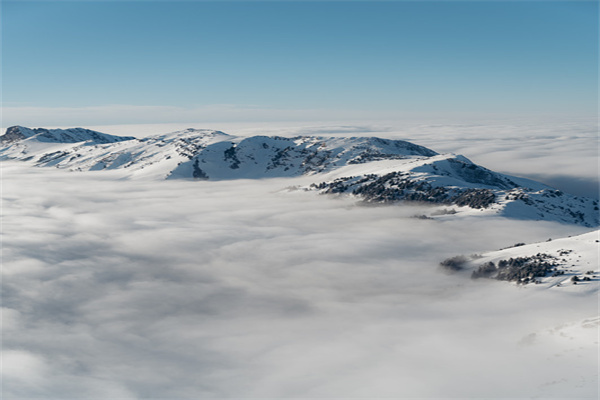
[{"x": 372, "y": 169}]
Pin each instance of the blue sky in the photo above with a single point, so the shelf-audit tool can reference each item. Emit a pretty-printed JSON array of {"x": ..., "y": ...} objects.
[{"x": 385, "y": 58}]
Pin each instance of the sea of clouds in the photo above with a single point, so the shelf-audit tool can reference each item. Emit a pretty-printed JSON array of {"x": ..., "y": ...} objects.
[{"x": 145, "y": 289}]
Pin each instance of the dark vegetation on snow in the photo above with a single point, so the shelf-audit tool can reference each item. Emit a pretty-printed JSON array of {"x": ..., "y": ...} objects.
[
  {"x": 397, "y": 186},
  {"x": 454, "y": 264},
  {"x": 522, "y": 270}
]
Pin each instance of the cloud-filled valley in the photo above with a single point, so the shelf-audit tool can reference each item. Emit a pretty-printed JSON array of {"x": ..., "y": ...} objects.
[
  {"x": 207, "y": 200},
  {"x": 180, "y": 289}
]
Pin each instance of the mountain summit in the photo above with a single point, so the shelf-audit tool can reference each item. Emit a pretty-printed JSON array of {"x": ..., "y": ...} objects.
[{"x": 71, "y": 135}]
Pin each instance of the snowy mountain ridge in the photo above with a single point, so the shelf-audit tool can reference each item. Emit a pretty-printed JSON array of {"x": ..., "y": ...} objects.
[
  {"x": 449, "y": 179},
  {"x": 372, "y": 169},
  {"x": 200, "y": 153},
  {"x": 72, "y": 135}
]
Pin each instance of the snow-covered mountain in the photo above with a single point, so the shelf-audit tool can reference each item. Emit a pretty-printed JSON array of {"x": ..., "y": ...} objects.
[
  {"x": 208, "y": 154},
  {"x": 562, "y": 264},
  {"x": 449, "y": 179},
  {"x": 72, "y": 135},
  {"x": 275, "y": 156},
  {"x": 372, "y": 169}
]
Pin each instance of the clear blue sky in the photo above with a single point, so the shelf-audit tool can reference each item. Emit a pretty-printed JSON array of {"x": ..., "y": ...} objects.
[{"x": 423, "y": 57}]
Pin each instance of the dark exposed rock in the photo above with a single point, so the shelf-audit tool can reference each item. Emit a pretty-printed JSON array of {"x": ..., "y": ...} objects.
[
  {"x": 13, "y": 134},
  {"x": 197, "y": 173},
  {"x": 230, "y": 155},
  {"x": 473, "y": 173}
]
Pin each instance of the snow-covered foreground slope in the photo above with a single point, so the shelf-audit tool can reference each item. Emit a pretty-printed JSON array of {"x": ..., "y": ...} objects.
[
  {"x": 131, "y": 289},
  {"x": 568, "y": 264},
  {"x": 374, "y": 170}
]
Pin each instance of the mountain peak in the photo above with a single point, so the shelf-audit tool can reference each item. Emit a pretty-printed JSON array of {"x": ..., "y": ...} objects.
[
  {"x": 193, "y": 132},
  {"x": 15, "y": 134},
  {"x": 18, "y": 133}
]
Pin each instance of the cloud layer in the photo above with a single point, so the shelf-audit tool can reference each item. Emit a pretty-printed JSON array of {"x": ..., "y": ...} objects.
[{"x": 121, "y": 289}]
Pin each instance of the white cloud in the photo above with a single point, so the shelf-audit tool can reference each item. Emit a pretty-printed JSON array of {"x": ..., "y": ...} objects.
[{"x": 181, "y": 289}]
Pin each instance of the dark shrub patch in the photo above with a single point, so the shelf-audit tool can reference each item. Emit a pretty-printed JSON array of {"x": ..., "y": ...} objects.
[
  {"x": 521, "y": 269},
  {"x": 454, "y": 264}
]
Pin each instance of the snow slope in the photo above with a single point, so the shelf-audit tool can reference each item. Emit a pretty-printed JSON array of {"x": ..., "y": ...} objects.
[{"x": 572, "y": 264}]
